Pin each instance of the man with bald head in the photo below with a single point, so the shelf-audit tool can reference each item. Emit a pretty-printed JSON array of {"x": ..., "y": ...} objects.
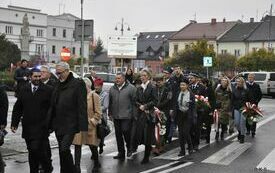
[{"x": 68, "y": 113}]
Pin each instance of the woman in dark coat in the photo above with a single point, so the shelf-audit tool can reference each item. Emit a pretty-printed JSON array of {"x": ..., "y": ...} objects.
[
  {"x": 239, "y": 98},
  {"x": 129, "y": 75},
  {"x": 146, "y": 100},
  {"x": 185, "y": 115}
]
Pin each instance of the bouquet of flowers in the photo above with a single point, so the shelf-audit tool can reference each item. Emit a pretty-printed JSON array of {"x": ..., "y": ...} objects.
[
  {"x": 202, "y": 102},
  {"x": 252, "y": 112},
  {"x": 160, "y": 127}
]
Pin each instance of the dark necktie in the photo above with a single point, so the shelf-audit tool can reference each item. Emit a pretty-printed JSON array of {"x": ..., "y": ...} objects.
[
  {"x": 181, "y": 99},
  {"x": 34, "y": 89}
]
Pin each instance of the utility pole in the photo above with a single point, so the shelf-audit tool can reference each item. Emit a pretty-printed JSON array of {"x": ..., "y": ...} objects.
[
  {"x": 82, "y": 40},
  {"x": 269, "y": 29}
]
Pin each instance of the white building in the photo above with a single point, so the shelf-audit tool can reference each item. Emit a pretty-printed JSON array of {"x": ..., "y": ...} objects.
[
  {"x": 11, "y": 22},
  {"x": 60, "y": 34},
  {"x": 245, "y": 38},
  {"x": 49, "y": 34}
]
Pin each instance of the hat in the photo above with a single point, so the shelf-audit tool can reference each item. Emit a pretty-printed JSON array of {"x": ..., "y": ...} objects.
[
  {"x": 194, "y": 75},
  {"x": 168, "y": 70},
  {"x": 98, "y": 82},
  {"x": 35, "y": 69}
]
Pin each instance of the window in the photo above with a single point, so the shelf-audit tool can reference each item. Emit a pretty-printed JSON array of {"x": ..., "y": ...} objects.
[
  {"x": 176, "y": 48},
  {"x": 148, "y": 36},
  {"x": 73, "y": 50},
  {"x": 224, "y": 51},
  {"x": 9, "y": 29},
  {"x": 157, "y": 36},
  {"x": 39, "y": 48},
  {"x": 211, "y": 46},
  {"x": 53, "y": 49},
  {"x": 272, "y": 76},
  {"x": 254, "y": 49},
  {"x": 64, "y": 33},
  {"x": 187, "y": 46},
  {"x": 237, "y": 52},
  {"x": 39, "y": 33},
  {"x": 54, "y": 32}
]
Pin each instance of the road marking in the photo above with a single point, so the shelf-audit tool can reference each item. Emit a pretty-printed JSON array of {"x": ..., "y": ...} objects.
[
  {"x": 226, "y": 155},
  {"x": 173, "y": 154},
  {"x": 160, "y": 167},
  {"x": 177, "y": 167},
  {"x": 139, "y": 150},
  {"x": 268, "y": 163}
]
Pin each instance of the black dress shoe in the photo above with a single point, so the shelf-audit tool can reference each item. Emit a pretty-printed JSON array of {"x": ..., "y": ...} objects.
[
  {"x": 181, "y": 154},
  {"x": 100, "y": 150},
  {"x": 145, "y": 160},
  {"x": 253, "y": 135},
  {"x": 129, "y": 153},
  {"x": 120, "y": 157}
]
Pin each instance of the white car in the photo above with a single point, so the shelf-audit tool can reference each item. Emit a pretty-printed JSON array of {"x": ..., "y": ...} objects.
[{"x": 108, "y": 79}]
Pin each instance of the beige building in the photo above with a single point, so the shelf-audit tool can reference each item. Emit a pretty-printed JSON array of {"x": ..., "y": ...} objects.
[{"x": 194, "y": 31}]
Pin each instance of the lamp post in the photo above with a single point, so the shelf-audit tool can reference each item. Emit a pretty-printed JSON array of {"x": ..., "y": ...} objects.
[
  {"x": 82, "y": 41},
  {"x": 122, "y": 23}
]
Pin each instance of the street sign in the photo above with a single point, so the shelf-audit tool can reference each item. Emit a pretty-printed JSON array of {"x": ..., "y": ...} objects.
[
  {"x": 65, "y": 54},
  {"x": 88, "y": 30},
  {"x": 122, "y": 47},
  {"x": 207, "y": 61}
]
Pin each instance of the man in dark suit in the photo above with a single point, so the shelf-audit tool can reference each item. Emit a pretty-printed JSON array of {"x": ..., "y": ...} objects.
[
  {"x": 4, "y": 106},
  {"x": 32, "y": 105},
  {"x": 68, "y": 113},
  {"x": 254, "y": 97},
  {"x": 197, "y": 89},
  {"x": 21, "y": 75}
]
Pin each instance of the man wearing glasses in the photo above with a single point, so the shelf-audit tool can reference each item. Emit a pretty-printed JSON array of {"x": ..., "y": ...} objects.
[{"x": 68, "y": 113}]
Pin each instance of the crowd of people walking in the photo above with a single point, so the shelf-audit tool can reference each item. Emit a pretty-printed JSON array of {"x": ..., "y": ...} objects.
[{"x": 145, "y": 111}]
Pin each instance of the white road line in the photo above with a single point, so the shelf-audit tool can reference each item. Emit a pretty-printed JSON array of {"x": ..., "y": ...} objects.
[
  {"x": 177, "y": 167},
  {"x": 160, "y": 167},
  {"x": 226, "y": 155},
  {"x": 139, "y": 150},
  {"x": 269, "y": 162}
]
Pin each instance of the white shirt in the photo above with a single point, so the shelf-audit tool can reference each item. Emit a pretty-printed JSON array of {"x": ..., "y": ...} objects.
[
  {"x": 144, "y": 86},
  {"x": 120, "y": 87},
  {"x": 32, "y": 85},
  {"x": 45, "y": 82},
  {"x": 184, "y": 103}
]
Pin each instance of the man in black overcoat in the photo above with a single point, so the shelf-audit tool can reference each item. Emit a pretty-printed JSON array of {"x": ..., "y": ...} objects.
[
  {"x": 31, "y": 108},
  {"x": 254, "y": 97},
  {"x": 4, "y": 106},
  {"x": 197, "y": 89},
  {"x": 68, "y": 113}
]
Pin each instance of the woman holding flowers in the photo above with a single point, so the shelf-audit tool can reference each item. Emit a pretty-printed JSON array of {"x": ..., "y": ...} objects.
[
  {"x": 223, "y": 107},
  {"x": 239, "y": 98}
]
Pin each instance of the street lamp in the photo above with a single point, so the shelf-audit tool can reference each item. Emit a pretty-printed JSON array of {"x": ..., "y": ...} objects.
[{"x": 122, "y": 24}]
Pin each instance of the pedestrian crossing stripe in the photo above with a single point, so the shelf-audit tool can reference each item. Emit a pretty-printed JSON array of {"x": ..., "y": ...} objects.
[
  {"x": 268, "y": 163},
  {"x": 228, "y": 154},
  {"x": 170, "y": 167}
]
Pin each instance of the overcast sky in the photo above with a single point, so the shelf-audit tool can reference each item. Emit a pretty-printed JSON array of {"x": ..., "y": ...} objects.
[{"x": 150, "y": 15}]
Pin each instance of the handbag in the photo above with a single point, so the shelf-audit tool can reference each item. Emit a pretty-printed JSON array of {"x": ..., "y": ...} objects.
[{"x": 102, "y": 129}]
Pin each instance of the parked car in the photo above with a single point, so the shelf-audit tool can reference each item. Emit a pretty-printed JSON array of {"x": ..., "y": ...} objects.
[
  {"x": 108, "y": 79},
  {"x": 266, "y": 80}
]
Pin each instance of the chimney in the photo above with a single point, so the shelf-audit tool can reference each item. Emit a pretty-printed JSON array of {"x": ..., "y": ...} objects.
[
  {"x": 251, "y": 20},
  {"x": 224, "y": 20},
  {"x": 213, "y": 21},
  {"x": 193, "y": 21}
]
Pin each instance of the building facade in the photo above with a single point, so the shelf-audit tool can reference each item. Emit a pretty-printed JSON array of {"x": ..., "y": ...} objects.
[
  {"x": 11, "y": 23},
  {"x": 60, "y": 32},
  {"x": 194, "y": 31}
]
